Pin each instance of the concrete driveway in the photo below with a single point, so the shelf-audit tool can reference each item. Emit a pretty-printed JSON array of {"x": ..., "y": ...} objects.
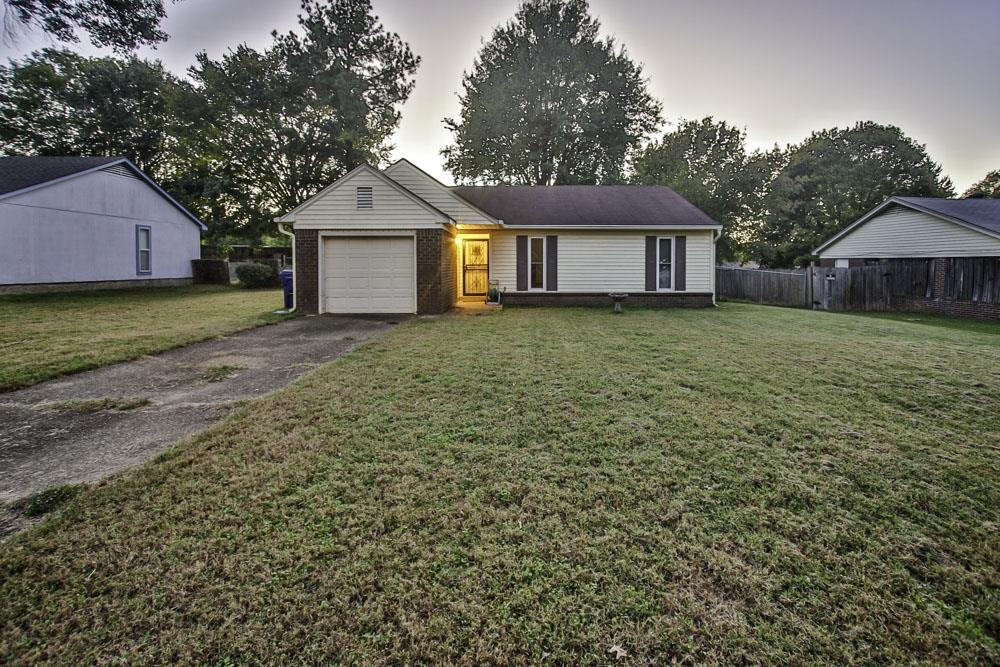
[{"x": 58, "y": 432}]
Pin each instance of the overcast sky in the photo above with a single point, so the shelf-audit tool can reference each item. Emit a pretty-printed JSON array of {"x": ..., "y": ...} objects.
[{"x": 779, "y": 68}]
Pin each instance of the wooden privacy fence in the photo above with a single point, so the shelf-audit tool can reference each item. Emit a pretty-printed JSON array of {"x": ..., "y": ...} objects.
[
  {"x": 973, "y": 279},
  {"x": 878, "y": 287},
  {"x": 776, "y": 288}
]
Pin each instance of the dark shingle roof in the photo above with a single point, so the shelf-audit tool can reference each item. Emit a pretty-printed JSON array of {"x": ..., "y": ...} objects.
[
  {"x": 585, "y": 205},
  {"x": 17, "y": 173},
  {"x": 984, "y": 213}
]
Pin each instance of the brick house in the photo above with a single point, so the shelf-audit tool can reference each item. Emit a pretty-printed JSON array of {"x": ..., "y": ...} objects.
[
  {"x": 959, "y": 239},
  {"x": 399, "y": 241}
]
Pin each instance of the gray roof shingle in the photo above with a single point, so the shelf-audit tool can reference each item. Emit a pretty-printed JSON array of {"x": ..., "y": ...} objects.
[
  {"x": 984, "y": 213},
  {"x": 585, "y": 205},
  {"x": 17, "y": 173}
]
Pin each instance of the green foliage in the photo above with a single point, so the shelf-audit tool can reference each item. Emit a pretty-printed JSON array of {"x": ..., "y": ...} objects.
[
  {"x": 274, "y": 127},
  {"x": 255, "y": 276},
  {"x": 549, "y": 102},
  {"x": 989, "y": 187},
  {"x": 833, "y": 178},
  {"x": 49, "y": 500},
  {"x": 56, "y": 102},
  {"x": 122, "y": 24},
  {"x": 707, "y": 163},
  {"x": 251, "y": 136}
]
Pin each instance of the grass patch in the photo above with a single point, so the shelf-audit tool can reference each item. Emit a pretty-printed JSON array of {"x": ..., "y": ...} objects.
[
  {"x": 958, "y": 323},
  {"x": 117, "y": 403},
  {"x": 219, "y": 372},
  {"x": 742, "y": 484},
  {"x": 48, "y": 501},
  {"x": 45, "y": 336}
]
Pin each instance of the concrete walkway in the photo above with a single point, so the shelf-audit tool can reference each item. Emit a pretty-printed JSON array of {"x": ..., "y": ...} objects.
[{"x": 55, "y": 432}]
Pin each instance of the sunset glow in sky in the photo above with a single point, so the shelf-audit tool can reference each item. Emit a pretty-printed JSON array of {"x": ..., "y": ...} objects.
[{"x": 779, "y": 68}]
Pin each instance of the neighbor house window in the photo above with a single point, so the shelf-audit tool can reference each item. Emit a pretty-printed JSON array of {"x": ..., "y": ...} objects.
[
  {"x": 665, "y": 263},
  {"x": 364, "y": 197},
  {"x": 536, "y": 262},
  {"x": 143, "y": 249}
]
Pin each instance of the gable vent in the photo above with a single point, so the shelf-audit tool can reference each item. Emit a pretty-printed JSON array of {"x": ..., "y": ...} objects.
[
  {"x": 364, "y": 197},
  {"x": 121, "y": 169}
]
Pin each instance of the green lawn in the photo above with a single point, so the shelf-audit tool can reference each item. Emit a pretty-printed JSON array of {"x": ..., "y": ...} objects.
[
  {"x": 744, "y": 484},
  {"x": 44, "y": 336}
]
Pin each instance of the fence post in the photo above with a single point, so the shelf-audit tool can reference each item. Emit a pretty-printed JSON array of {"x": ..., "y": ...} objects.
[{"x": 811, "y": 302}]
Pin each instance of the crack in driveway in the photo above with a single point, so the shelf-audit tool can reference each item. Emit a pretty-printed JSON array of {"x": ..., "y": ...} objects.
[{"x": 41, "y": 447}]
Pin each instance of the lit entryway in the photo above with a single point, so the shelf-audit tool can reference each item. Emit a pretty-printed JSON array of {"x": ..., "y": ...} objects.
[
  {"x": 369, "y": 274},
  {"x": 475, "y": 267}
]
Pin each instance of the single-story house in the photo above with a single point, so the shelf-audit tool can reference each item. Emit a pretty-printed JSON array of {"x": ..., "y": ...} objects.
[
  {"x": 399, "y": 241},
  {"x": 959, "y": 239},
  {"x": 71, "y": 223}
]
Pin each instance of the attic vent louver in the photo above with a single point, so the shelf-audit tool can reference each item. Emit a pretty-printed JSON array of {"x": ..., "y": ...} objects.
[
  {"x": 364, "y": 197},
  {"x": 121, "y": 169}
]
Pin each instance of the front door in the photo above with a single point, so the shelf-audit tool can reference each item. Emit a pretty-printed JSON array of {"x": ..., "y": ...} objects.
[{"x": 475, "y": 267}]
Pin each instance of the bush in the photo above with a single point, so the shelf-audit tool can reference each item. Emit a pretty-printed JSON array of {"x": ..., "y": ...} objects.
[
  {"x": 210, "y": 271},
  {"x": 255, "y": 275}
]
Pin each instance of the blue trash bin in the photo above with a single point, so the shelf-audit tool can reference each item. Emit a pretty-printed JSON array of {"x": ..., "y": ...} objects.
[{"x": 287, "y": 284}]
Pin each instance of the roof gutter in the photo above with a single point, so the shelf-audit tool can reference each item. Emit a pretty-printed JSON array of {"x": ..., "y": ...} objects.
[{"x": 717, "y": 228}]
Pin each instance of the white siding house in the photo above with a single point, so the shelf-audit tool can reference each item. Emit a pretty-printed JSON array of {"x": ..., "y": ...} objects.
[
  {"x": 399, "y": 241},
  {"x": 102, "y": 224},
  {"x": 914, "y": 227}
]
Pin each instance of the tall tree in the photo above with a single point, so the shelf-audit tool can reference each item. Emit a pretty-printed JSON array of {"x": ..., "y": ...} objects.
[
  {"x": 707, "y": 162},
  {"x": 56, "y": 102},
  {"x": 835, "y": 176},
  {"x": 283, "y": 123},
  {"x": 989, "y": 187},
  {"x": 550, "y": 102},
  {"x": 122, "y": 25}
]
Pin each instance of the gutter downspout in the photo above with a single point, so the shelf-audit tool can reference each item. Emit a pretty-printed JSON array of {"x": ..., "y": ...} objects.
[
  {"x": 295, "y": 292},
  {"x": 716, "y": 235}
]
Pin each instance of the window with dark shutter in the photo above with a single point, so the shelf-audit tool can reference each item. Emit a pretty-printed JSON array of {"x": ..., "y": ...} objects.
[
  {"x": 650, "y": 263},
  {"x": 665, "y": 264},
  {"x": 680, "y": 263},
  {"x": 536, "y": 262},
  {"x": 551, "y": 266},
  {"x": 521, "y": 243},
  {"x": 364, "y": 197}
]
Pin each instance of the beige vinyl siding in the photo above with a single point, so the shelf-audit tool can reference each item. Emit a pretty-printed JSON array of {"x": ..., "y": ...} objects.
[
  {"x": 391, "y": 209},
  {"x": 602, "y": 261},
  {"x": 903, "y": 232},
  {"x": 700, "y": 261},
  {"x": 435, "y": 194}
]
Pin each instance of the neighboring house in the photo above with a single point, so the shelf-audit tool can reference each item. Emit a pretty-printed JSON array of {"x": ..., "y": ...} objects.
[
  {"x": 399, "y": 241},
  {"x": 959, "y": 238},
  {"x": 89, "y": 223}
]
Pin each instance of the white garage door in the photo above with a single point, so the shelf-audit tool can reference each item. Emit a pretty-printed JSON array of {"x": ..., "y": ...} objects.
[{"x": 368, "y": 274}]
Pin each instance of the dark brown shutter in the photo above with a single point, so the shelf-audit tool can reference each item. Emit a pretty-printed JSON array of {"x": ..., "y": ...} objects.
[
  {"x": 650, "y": 263},
  {"x": 522, "y": 263},
  {"x": 551, "y": 268},
  {"x": 680, "y": 263}
]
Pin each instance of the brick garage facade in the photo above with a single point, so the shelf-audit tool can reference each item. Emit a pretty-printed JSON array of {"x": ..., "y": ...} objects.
[
  {"x": 648, "y": 299},
  {"x": 307, "y": 270},
  {"x": 435, "y": 271},
  {"x": 449, "y": 270},
  {"x": 939, "y": 303}
]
